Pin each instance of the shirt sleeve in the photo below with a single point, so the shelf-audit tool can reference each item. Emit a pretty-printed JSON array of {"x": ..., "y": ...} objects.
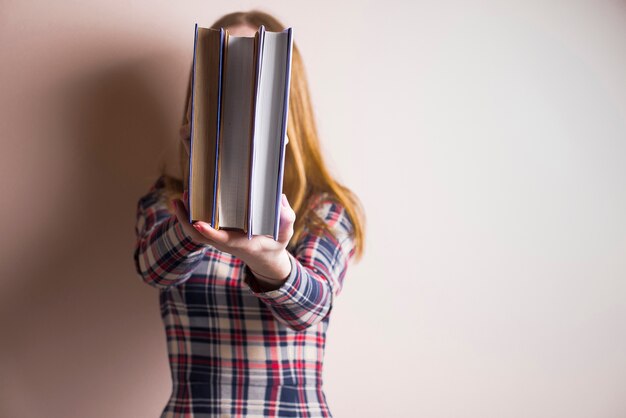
[
  {"x": 164, "y": 255},
  {"x": 319, "y": 264}
]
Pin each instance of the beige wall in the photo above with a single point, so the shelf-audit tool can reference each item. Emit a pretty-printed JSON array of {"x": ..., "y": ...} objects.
[{"x": 487, "y": 140}]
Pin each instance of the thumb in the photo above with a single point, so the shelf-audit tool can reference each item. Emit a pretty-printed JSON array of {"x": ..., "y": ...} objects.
[{"x": 287, "y": 220}]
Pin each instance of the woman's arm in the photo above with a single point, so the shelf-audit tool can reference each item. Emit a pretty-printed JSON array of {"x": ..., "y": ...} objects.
[
  {"x": 164, "y": 254},
  {"x": 307, "y": 280},
  {"x": 318, "y": 266}
]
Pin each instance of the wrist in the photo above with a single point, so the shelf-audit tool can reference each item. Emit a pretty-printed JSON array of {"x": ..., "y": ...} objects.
[{"x": 276, "y": 268}]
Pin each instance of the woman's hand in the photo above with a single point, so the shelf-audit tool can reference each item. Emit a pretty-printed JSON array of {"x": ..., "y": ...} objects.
[{"x": 265, "y": 256}]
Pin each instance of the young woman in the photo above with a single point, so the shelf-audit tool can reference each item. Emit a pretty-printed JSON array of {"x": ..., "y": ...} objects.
[{"x": 246, "y": 320}]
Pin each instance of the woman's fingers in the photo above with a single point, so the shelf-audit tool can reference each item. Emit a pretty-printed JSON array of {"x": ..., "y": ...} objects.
[
  {"x": 183, "y": 217},
  {"x": 219, "y": 236},
  {"x": 204, "y": 228},
  {"x": 232, "y": 242},
  {"x": 287, "y": 220},
  {"x": 236, "y": 242}
]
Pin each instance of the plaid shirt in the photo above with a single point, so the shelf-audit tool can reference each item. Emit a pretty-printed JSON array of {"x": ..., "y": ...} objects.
[{"x": 234, "y": 350}]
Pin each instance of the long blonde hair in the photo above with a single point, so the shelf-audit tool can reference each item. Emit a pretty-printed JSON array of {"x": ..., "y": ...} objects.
[{"x": 306, "y": 174}]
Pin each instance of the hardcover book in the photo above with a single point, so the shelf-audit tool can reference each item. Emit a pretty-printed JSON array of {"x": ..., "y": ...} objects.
[{"x": 239, "y": 111}]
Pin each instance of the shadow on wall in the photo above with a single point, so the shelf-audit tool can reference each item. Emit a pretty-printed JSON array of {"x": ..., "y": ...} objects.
[{"x": 75, "y": 326}]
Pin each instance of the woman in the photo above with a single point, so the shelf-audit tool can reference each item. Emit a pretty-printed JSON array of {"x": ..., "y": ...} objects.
[{"x": 246, "y": 320}]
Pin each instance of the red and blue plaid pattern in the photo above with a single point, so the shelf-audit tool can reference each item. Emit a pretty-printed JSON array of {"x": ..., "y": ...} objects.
[{"x": 235, "y": 350}]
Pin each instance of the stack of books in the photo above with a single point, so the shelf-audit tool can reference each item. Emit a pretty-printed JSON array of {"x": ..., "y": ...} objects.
[{"x": 239, "y": 111}]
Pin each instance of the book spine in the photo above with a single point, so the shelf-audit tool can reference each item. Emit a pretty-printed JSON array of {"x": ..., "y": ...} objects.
[
  {"x": 215, "y": 214},
  {"x": 193, "y": 78},
  {"x": 281, "y": 160},
  {"x": 260, "y": 36}
]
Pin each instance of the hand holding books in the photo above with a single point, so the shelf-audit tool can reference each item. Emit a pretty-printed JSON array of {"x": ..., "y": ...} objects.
[{"x": 265, "y": 256}]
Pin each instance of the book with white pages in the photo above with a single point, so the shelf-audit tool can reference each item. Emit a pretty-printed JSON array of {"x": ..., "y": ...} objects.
[{"x": 239, "y": 113}]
